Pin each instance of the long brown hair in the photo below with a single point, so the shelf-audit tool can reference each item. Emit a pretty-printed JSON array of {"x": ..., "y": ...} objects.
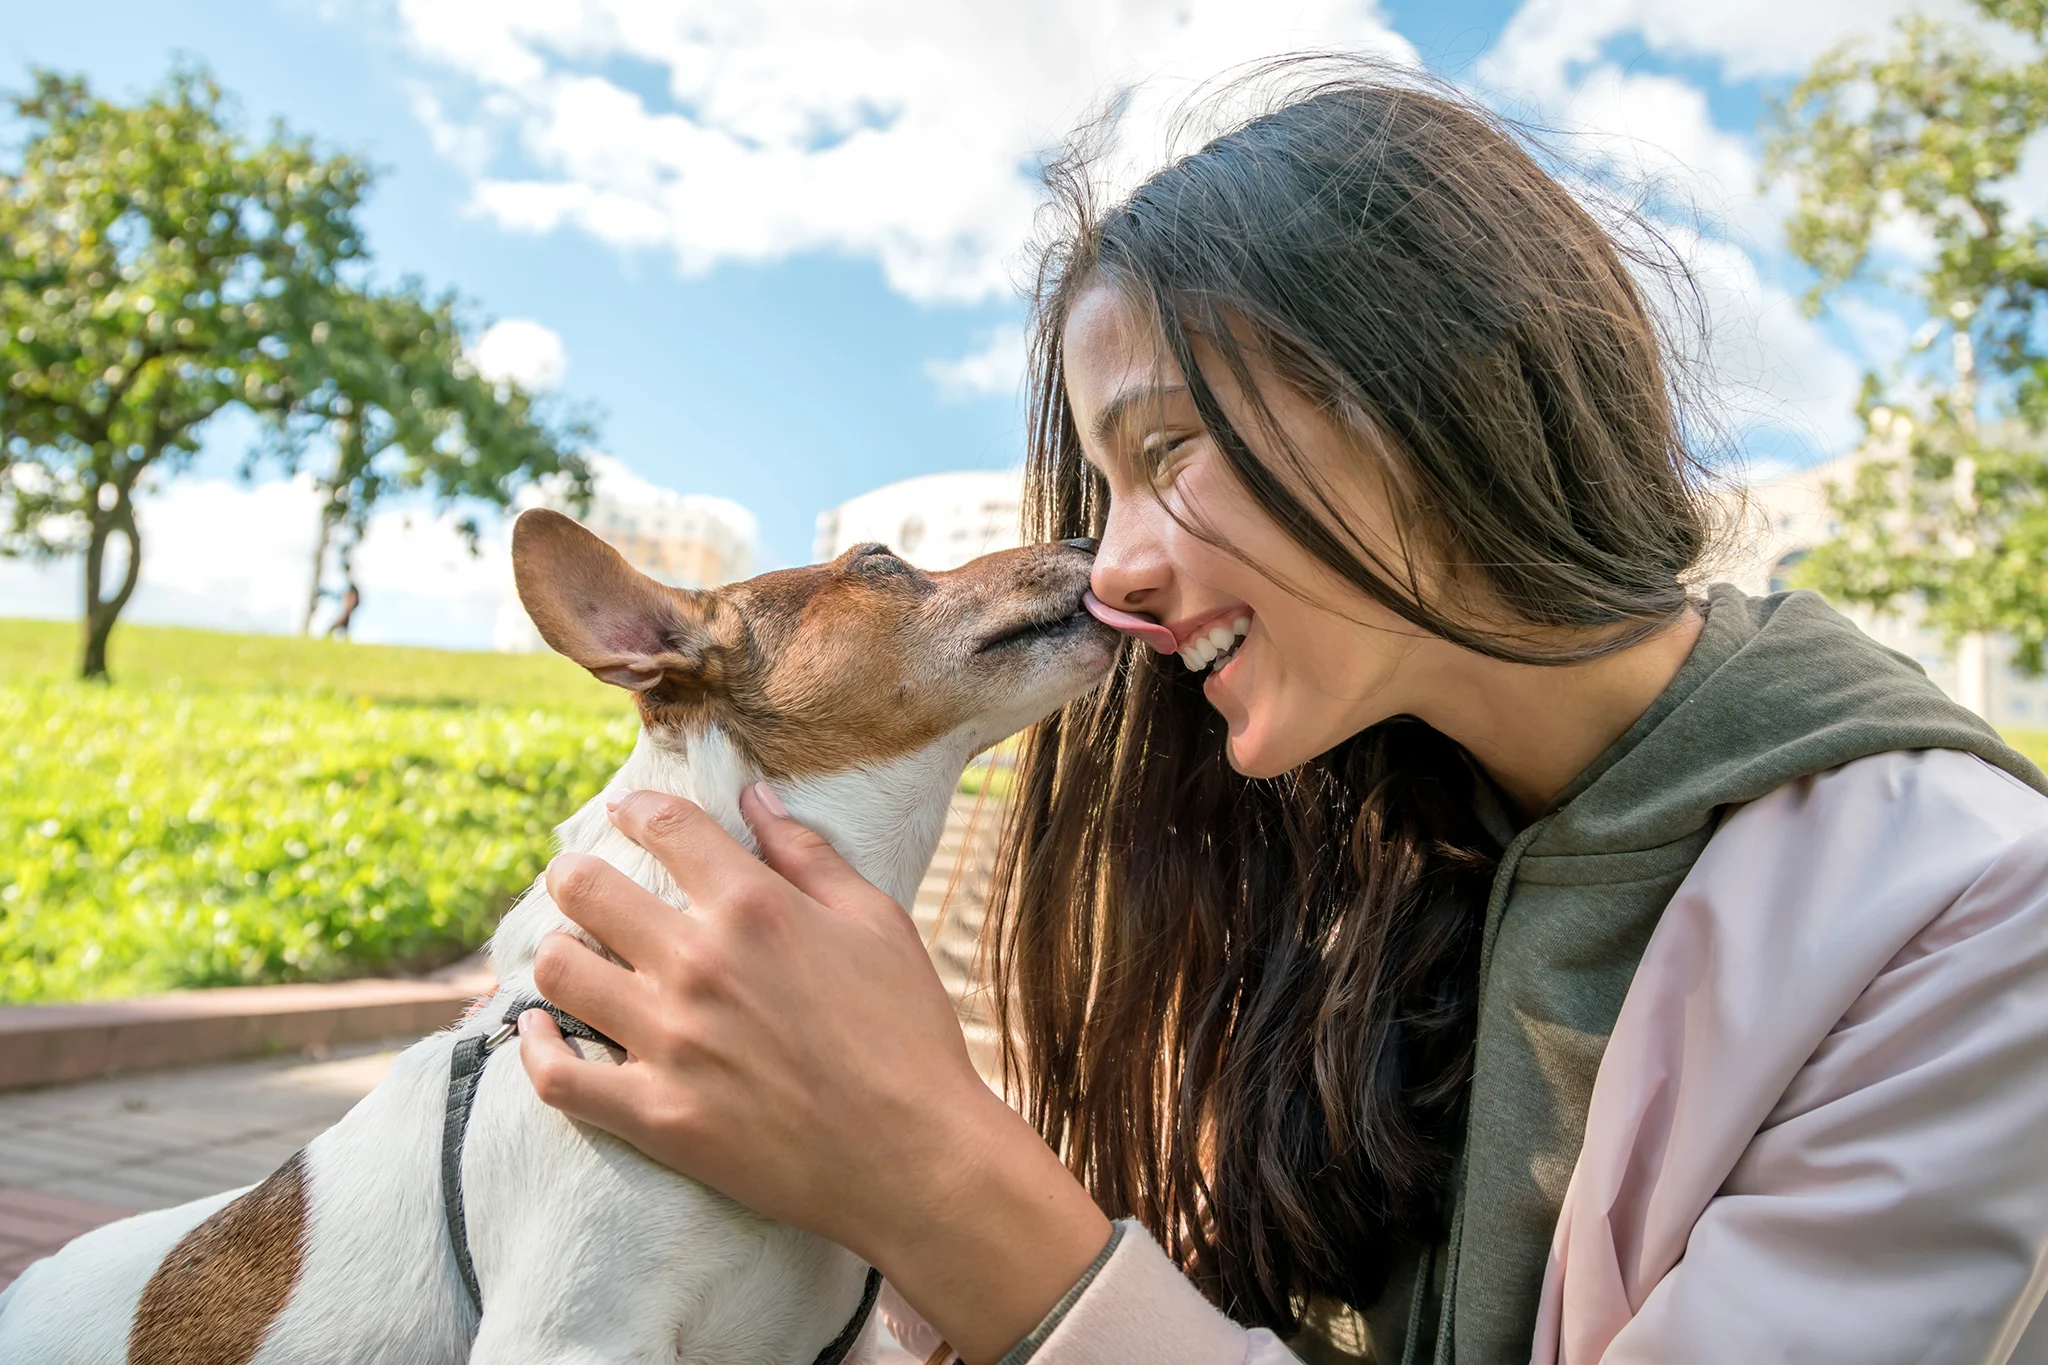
[{"x": 1242, "y": 1010}]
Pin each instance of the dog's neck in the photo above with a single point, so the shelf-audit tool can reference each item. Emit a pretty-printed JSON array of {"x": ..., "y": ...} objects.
[{"x": 884, "y": 818}]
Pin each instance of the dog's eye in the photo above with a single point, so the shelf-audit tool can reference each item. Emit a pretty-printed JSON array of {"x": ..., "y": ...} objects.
[
  {"x": 883, "y": 567},
  {"x": 880, "y": 559}
]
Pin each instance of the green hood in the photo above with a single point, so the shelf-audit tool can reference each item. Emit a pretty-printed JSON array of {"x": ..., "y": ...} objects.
[{"x": 1776, "y": 689}]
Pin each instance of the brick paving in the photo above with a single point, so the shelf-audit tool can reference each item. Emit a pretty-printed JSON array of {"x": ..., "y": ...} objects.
[{"x": 75, "y": 1156}]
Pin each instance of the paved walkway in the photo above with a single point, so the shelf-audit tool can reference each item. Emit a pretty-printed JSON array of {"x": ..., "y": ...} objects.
[{"x": 75, "y": 1156}]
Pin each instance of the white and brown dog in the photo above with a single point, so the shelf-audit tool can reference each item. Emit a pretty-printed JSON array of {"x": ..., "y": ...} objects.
[{"x": 859, "y": 690}]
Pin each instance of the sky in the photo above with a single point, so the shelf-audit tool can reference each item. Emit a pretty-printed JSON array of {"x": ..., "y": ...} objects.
[{"x": 775, "y": 247}]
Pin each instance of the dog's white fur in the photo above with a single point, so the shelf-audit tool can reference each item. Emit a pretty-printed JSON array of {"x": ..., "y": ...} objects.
[{"x": 586, "y": 1251}]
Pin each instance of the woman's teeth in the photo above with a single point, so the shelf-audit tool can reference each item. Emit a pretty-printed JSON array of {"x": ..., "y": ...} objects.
[{"x": 1219, "y": 643}]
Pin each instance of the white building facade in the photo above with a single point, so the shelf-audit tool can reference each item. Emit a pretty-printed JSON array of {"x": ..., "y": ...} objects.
[
  {"x": 686, "y": 540},
  {"x": 936, "y": 521}
]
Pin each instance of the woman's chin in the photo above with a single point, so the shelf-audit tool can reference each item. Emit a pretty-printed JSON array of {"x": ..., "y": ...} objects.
[
  {"x": 1249, "y": 767},
  {"x": 1249, "y": 750}
]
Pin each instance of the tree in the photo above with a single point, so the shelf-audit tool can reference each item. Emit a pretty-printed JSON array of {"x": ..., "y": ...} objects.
[
  {"x": 386, "y": 384},
  {"x": 156, "y": 268},
  {"x": 1920, "y": 143}
]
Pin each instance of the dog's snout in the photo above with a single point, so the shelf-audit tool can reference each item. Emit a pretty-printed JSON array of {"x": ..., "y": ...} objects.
[{"x": 1087, "y": 543}]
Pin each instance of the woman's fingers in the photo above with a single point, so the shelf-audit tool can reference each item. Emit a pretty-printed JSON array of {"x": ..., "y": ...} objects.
[
  {"x": 620, "y": 913},
  {"x": 596, "y": 1092},
  {"x": 806, "y": 858},
  {"x": 601, "y": 993},
  {"x": 705, "y": 861}
]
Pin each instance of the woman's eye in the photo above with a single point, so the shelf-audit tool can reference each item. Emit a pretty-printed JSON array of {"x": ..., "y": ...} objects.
[{"x": 1160, "y": 452}]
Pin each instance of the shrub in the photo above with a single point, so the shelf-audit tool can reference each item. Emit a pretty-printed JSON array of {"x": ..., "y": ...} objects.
[{"x": 182, "y": 833}]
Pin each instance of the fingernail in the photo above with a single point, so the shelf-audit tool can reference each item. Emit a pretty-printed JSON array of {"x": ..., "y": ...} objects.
[
  {"x": 611, "y": 807},
  {"x": 765, "y": 794},
  {"x": 527, "y": 1019}
]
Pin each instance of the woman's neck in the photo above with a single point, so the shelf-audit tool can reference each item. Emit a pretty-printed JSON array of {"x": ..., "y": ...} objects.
[{"x": 1534, "y": 728}]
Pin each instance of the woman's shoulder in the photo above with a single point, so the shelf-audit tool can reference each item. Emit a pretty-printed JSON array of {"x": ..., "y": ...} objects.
[
  {"x": 1912, "y": 808},
  {"x": 1816, "y": 888},
  {"x": 1833, "y": 1043}
]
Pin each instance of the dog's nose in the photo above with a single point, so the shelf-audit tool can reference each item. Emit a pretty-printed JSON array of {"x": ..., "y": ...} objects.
[{"x": 1088, "y": 543}]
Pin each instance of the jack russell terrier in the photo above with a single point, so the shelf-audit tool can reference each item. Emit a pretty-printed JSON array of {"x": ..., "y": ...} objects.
[{"x": 451, "y": 1216}]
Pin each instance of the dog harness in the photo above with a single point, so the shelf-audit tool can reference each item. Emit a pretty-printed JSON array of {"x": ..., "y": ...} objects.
[{"x": 466, "y": 1069}]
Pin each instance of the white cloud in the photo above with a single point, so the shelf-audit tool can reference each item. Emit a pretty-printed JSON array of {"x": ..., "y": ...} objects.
[
  {"x": 994, "y": 369},
  {"x": 1548, "y": 41},
  {"x": 238, "y": 557},
  {"x": 1768, "y": 365},
  {"x": 906, "y": 131},
  {"x": 902, "y": 130},
  {"x": 522, "y": 351}
]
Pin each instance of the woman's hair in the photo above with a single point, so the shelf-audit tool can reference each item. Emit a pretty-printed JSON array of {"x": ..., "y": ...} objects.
[{"x": 1243, "y": 1010}]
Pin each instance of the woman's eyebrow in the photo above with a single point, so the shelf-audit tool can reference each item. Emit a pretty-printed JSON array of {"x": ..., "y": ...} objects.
[{"x": 1117, "y": 409}]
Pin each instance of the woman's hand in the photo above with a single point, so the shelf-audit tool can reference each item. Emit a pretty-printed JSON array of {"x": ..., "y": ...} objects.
[{"x": 789, "y": 1043}]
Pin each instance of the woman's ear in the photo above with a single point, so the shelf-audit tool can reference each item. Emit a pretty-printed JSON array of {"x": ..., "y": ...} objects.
[{"x": 592, "y": 606}]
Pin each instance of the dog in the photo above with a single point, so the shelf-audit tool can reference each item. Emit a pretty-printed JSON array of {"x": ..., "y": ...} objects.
[{"x": 859, "y": 690}]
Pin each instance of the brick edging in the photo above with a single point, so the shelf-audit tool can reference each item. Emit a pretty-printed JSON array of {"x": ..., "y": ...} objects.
[{"x": 49, "y": 1044}]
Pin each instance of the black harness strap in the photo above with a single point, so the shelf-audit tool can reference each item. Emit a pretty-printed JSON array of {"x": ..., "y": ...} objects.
[{"x": 466, "y": 1068}]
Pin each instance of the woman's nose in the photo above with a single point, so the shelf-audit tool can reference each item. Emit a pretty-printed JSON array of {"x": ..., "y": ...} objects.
[{"x": 1130, "y": 567}]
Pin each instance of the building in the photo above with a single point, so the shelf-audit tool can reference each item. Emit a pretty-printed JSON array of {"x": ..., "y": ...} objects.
[
  {"x": 936, "y": 521},
  {"x": 686, "y": 540},
  {"x": 1786, "y": 517}
]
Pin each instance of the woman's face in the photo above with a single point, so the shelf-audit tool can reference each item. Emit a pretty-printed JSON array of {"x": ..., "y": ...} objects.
[{"x": 1319, "y": 660}]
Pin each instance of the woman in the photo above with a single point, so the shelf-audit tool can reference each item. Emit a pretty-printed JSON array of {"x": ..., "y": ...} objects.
[{"x": 1505, "y": 951}]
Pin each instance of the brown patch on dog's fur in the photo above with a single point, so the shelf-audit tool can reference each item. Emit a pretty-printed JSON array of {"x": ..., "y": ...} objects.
[
  {"x": 213, "y": 1299},
  {"x": 809, "y": 670}
]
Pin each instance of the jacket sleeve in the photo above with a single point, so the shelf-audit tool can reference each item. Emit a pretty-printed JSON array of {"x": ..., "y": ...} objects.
[
  {"x": 1893, "y": 1204},
  {"x": 1131, "y": 1307}
]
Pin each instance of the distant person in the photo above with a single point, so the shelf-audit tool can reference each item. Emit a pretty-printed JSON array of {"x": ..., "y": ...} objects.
[
  {"x": 351, "y": 598},
  {"x": 1483, "y": 943}
]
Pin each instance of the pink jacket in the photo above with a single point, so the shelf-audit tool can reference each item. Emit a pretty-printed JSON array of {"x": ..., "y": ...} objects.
[{"x": 1819, "y": 1131}]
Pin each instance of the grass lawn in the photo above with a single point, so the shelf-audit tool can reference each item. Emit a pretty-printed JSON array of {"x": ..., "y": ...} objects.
[
  {"x": 148, "y": 655},
  {"x": 237, "y": 808}
]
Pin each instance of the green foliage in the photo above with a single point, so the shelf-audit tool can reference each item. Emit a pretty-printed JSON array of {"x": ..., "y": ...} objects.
[
  {"x": 384, "y": 379},
  {"x": 157, "y": 266},
  {"x": 156, "y": 269},
  {"x": 190, "y": 829},
  {"x": 1978, "y": 563},
  {"x": 1952, "y": 509}
]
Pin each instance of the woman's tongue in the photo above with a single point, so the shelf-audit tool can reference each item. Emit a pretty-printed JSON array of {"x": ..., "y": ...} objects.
[{"x": 1151, "y": 632}]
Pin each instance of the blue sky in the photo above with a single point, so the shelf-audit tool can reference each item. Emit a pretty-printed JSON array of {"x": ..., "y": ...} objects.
[{"x": 762, "y": 231}]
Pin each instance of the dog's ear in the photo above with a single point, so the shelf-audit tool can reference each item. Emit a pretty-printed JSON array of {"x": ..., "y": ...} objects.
[{"x": 589, "y": 604}]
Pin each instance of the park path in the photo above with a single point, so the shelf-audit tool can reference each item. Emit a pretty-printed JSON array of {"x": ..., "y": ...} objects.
[{"x": 75, "y": 1156}]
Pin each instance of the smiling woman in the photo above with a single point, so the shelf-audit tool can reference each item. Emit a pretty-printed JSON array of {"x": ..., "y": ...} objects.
[
  {"x": 1377, "y": 430},
  {"x": 1330, "y": 392}
]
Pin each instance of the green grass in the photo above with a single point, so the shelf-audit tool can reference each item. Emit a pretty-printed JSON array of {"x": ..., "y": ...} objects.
[
  {"x": 148, "y": 655},
  {"x": 247, "y": 808}
]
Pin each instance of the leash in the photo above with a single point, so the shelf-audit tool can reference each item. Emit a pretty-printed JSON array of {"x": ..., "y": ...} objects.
[{"x": 466, "y": 1070}]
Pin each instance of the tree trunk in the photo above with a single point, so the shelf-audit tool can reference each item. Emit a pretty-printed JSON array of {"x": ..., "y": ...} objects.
[
  {"x": 100, "y": 614},
  {"x": 348, "y": 454},
  {"x": 326, "y": 534}
]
